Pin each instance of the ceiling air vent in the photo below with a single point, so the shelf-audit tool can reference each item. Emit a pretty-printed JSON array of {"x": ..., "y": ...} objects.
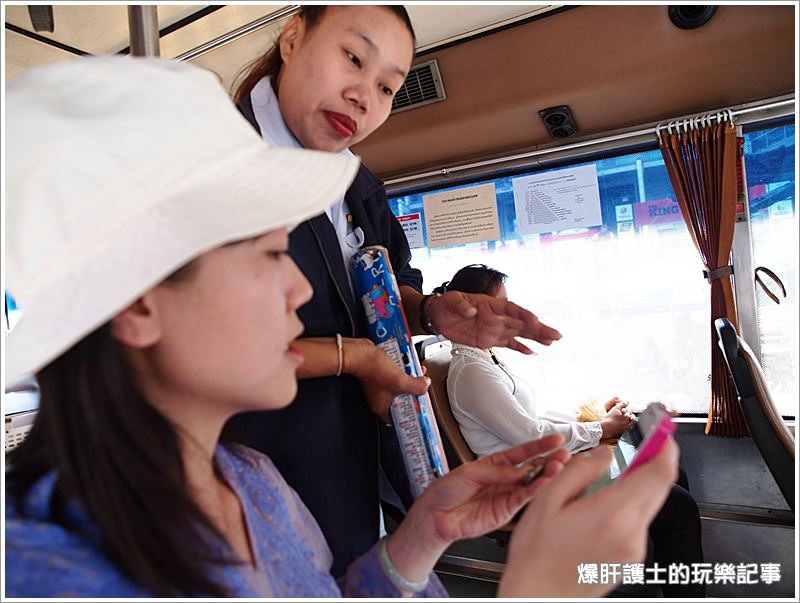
[{"x": 423, "y": 86}]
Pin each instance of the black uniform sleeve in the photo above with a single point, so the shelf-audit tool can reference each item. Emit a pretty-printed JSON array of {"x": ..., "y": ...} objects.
[
  {"x": 396, "y": 242},
  {"x": 367, "y": 201}
]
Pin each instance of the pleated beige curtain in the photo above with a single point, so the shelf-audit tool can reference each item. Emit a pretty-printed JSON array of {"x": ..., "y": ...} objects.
[{"x": 702, "y": 164}]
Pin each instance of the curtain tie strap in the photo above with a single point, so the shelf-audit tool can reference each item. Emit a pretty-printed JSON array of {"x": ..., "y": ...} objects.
[
  {"x": 721, "y": 272},
  {"x": 775, "y": 278}
]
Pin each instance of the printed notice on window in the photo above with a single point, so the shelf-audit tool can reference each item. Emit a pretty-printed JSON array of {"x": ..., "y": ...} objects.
[
  {"x": 412, "y": 226},
  {"x": 557, "y": 200},
  {"x": 464, "y": 215}
]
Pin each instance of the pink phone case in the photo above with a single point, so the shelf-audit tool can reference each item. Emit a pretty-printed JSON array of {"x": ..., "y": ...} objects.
[{"x": 652, "y": 444}]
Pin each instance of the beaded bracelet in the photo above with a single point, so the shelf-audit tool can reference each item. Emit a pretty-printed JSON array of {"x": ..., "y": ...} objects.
[{"x": 398, "y": 579}]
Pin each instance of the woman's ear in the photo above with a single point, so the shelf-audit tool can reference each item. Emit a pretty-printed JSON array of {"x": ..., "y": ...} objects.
[
  {"x": 290, "y": 37},
  {"x": 138, "y": 325}
]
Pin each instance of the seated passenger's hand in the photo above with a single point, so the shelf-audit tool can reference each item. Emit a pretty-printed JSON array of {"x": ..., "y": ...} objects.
[
  {"x": 611, "y": 403},
  {"x": 561, "y": 530},
  {"x": 484, "y": 321},
  {"x": 617, "y": 421},
  {"x": 380, "y": 378}
]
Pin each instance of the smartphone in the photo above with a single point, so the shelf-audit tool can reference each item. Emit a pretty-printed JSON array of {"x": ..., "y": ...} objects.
[
  {"x": 652, "y": 429},
  {"x": 535, "y": 467}
]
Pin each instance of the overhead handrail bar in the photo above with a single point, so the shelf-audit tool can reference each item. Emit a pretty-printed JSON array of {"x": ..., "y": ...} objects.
[{"x": 237, "y": 33}]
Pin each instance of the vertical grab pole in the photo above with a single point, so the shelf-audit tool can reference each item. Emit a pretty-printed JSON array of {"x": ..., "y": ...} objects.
[{"x": 143, "y": 28}]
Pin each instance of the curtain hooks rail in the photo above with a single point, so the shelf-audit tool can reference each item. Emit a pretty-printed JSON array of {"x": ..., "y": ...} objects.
[{"x": 692, "y": 124}]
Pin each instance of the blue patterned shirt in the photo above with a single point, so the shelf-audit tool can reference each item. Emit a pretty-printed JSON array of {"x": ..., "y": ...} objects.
[{"x": 291, "y": 557}]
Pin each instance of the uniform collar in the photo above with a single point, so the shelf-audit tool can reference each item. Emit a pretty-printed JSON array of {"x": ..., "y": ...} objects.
[{"x": 267, "y": 112}]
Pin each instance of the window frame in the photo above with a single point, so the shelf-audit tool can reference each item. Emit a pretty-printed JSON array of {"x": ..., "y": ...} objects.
[{"x": 742, "y": 256}]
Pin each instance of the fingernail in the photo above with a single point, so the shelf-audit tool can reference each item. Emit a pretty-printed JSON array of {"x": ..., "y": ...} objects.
[{"x": 427, "y": 380}]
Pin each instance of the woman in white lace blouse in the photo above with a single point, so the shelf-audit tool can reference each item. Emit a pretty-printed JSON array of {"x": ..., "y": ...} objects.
[{"x": 495, "y": 408}]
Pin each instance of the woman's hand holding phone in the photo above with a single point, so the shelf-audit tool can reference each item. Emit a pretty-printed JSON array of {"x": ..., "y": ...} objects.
[
  {"x": 655, "y": 425},
  {"x": 561, "y": 529}
]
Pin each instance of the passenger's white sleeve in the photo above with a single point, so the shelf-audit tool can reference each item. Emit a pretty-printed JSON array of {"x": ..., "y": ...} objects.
[{"x": 477, "y": 391}]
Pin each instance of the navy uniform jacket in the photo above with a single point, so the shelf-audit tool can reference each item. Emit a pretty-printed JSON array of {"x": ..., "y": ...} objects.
[{"x": 327, "y": 443}]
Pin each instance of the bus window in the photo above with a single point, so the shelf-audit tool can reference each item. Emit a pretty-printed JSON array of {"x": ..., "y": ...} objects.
[
  {"x": 769, "y": 159},
  {"x": 627, "y": 285}
]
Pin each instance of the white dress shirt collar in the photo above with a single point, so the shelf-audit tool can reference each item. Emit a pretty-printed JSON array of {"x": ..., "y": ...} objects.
[
  {"x": 268, "y": 115},
  {"x": 267, "y": 111}
]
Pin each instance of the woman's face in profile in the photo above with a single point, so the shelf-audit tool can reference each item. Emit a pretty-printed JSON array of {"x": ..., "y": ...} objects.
[
  {"x": 502, "y": 292},
  {"x": 227, "y": 329}
]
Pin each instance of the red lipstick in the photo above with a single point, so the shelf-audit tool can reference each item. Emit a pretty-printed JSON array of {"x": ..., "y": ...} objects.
[{"x": 342, "y": 124}]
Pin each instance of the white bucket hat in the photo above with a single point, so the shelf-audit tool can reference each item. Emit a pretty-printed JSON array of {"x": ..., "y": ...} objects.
[{"x": 120, "y": 170}]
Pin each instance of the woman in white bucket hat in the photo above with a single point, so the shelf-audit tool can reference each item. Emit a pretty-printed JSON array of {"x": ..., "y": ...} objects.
[{"x": 157, "y": 300}]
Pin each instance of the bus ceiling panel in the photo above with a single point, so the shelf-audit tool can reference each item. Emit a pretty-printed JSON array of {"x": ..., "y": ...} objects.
[
  {"x": 615, "y": 67},
  {"x": 22, "y": 53},
  {"x": 96, "y": 29},
  {"x": 218, "y": 24},
  {"x": 433, "y": 25},
  {"x": 436, "y": 25},
  {"x": 101, "y": 29},
  {"x": 228, "y": 60}
]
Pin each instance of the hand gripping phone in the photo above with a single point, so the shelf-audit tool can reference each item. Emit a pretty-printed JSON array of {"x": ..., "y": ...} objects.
[
  {"x": 534, "y": 467},
  {"x": 653, "y": 428}
]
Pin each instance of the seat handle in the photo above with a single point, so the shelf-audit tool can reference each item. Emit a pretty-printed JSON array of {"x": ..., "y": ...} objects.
[{"x": 766, "y": 289}]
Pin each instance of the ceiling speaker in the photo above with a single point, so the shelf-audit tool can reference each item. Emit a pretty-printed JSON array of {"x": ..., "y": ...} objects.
[
  {"x": 559, "y": 121},
  {"x": 690, "y": 16}
]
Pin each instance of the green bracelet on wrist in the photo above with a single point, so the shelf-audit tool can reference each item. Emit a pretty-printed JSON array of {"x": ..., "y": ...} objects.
[{"x": 399, "y": 580}]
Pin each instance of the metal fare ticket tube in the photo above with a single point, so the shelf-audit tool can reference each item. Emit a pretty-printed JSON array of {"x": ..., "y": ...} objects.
[{"x": 412, "y": 416}]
